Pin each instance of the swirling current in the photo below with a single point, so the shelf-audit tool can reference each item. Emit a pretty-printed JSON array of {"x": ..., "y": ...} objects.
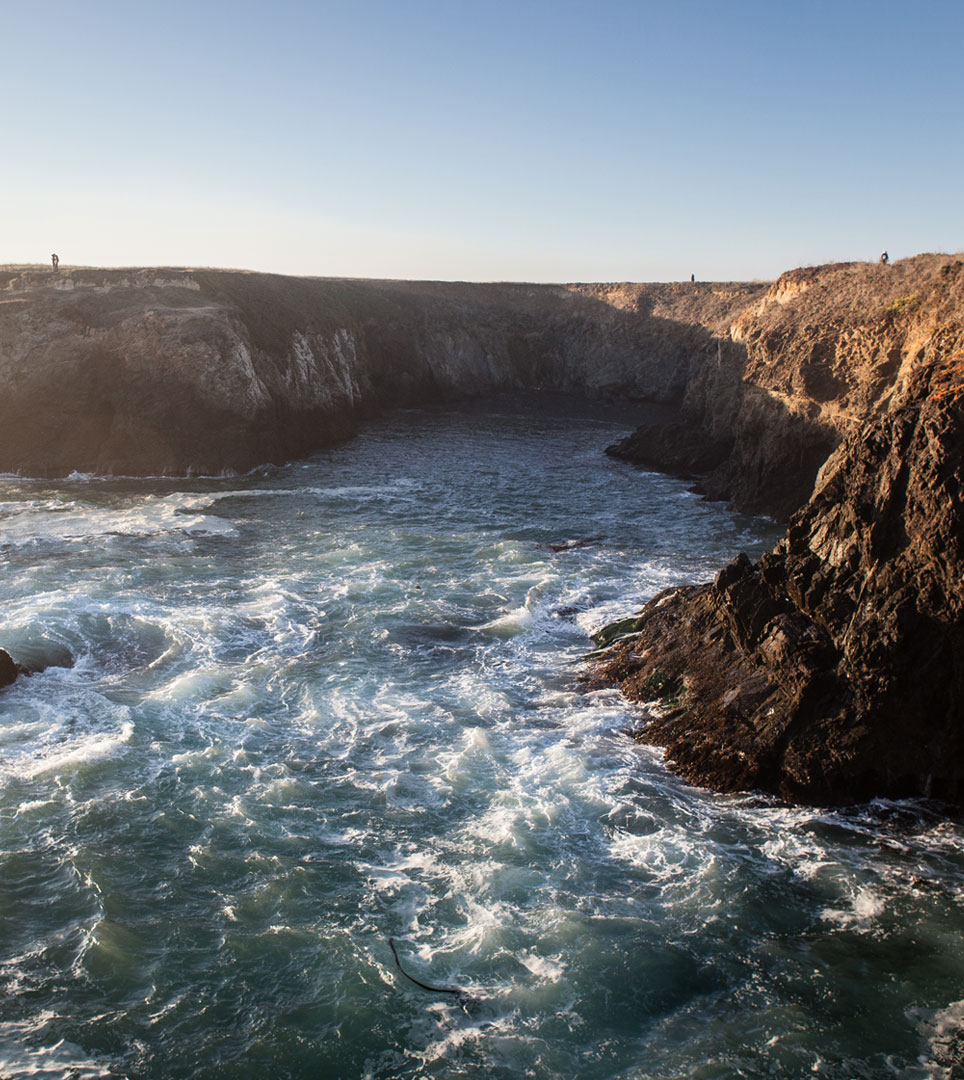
[{"x": 322, "y": 706}]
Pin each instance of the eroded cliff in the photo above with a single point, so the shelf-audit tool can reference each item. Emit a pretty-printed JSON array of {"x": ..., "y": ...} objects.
[
  {"x": 831, "y": 670},
  {"x": 796, "y": 371},
  {"x": 174, "y": 371}
]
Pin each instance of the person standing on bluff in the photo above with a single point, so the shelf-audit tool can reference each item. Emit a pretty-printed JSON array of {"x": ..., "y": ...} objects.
[
  {"x": 55, "y": 260},
  {"x": 884, "y": 258}
]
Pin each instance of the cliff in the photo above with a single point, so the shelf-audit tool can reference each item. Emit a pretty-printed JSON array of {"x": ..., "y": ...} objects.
[
  {"x": 823, "y": 351},
  {"x": 831, "y": 670},
  {"x": 172, "y": 371},
  {"x": 163, "y": 371}
]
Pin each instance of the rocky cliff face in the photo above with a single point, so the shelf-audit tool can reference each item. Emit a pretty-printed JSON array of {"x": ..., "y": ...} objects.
[
  {"x": 832, "y": 670},
  {"x": 795, "y": 372},
  {"x": 172, "y": 371}
]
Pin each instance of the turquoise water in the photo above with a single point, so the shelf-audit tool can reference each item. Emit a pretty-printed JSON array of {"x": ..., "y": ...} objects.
[{"x": 317, "y": 707}]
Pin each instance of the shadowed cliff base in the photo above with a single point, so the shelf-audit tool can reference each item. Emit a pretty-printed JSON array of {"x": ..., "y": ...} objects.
[
  {"x": 160, "y": 371},
  {"x": 165, "y": 371}
]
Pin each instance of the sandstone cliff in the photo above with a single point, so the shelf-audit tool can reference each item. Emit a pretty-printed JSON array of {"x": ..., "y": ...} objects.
[{"x": 832, "y": 670}]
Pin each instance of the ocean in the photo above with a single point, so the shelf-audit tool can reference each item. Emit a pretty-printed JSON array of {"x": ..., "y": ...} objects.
[{"x": 328, "y": 705}]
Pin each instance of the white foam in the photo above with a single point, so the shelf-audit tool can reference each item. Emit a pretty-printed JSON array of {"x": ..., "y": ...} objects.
[
  {"x": 77, "y": 521},
  {"x": 73, "y": 755},
  {"x": 943, "y": 1033},
  {"x": 861, "y": 912},
  {"x": 34, "y": 804},
  {"x": 403, "y": 485},
  {"x": 799, "y": 853},
  {"x": 208, "y": 682},
  {"x": 61, "y": 729},
  {"x": 61, "y": 1060},
  {"x": 551, "y": 968},
  {"x": 511, "y": 623}
]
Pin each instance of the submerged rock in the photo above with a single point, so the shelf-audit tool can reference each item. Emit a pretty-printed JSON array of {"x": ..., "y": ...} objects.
[
  {"x": 10, "y": 670},
  {"x": 40, "y": 656}
]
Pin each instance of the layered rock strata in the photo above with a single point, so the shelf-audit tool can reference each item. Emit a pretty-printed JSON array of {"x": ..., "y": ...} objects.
[{"x": 823, "y": 351}]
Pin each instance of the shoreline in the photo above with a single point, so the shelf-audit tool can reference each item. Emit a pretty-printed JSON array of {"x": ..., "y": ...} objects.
[{"x": 851, "y": 375}]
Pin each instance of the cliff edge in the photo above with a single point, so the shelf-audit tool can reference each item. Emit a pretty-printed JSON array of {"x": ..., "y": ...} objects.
[{"x": 824, "y": 350}]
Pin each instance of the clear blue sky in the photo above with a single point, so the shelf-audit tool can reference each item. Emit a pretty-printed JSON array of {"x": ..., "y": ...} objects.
[{"x": 543, "y": 140}]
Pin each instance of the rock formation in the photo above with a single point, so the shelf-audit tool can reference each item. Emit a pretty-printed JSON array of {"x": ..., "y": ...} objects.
[
  {"x": 39, "y": 656},
  {"x": 175, "y": 371},
  {"x": 795, "y": 372},
  {"x": 10, "y": 670},
  {"x": 833, "y": 669}
]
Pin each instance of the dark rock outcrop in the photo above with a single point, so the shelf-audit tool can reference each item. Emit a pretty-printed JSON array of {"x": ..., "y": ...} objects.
[
  {"x": 39, "y": 656},
  {"x": 674, "y": 447},
  {"x": 10, "y": 670},
  {"x": 832, "y": 670}
]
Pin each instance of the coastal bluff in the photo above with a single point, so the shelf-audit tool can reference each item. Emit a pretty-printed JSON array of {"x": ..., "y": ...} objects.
[
  {"x": 829, "y": 671},
  {"x": 169, "y": 372},
  {"x": 832, "y": 670}
]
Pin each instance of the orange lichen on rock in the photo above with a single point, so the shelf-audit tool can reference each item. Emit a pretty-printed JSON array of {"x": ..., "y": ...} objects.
[{"x": 948, "y": 381}]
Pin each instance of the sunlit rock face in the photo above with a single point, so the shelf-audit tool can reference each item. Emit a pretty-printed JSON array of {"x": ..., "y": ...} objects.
[{"x": 797, "y": 370}]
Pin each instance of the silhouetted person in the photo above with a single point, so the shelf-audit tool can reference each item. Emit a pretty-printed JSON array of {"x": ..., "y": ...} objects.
[
  {"x": 884, "y": 258},
  {"x": 692, "y": 277},
  {"x": 56, "y": 262}
]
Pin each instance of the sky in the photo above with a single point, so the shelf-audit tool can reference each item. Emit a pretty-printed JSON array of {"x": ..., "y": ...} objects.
[{"x": 481, "y": 141}]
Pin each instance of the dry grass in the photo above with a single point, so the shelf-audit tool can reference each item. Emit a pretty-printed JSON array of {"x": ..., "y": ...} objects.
[{"x": 859, "y": 292}]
